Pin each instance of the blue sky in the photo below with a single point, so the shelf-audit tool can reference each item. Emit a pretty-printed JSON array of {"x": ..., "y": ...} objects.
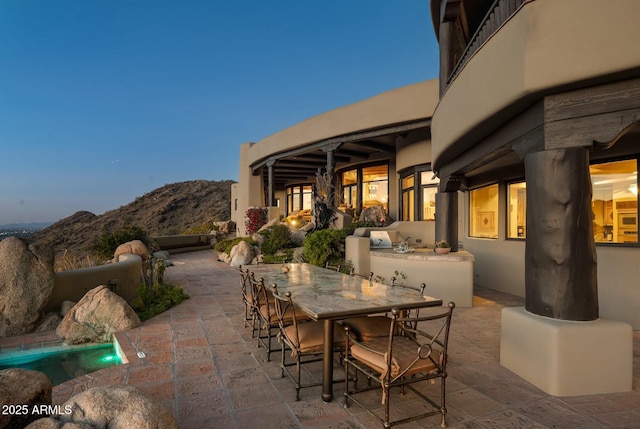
[{"x": 102, "y": 101}]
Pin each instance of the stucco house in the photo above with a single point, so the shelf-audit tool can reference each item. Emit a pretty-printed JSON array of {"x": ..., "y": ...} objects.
[{"x": 533, "y": 132}]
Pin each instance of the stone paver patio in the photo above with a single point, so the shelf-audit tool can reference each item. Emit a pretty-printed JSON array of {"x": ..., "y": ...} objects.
[{"x": 203, "y": 365}]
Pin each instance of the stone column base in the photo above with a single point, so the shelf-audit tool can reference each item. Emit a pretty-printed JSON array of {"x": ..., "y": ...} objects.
[{"x": 567, "y": 358}]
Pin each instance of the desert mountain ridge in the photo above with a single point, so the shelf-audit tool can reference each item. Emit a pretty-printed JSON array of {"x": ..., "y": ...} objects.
[{"x": 168, "y": 210}]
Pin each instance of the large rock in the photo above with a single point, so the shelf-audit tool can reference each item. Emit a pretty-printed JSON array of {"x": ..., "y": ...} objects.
[
  {"x": 24, "y": 389},
  {"x": 135, "y": 247},
  {"x": 26, "y": 282},
  {"x": 109, "y": 407},
  {"x": 373, "y": 214},
  {"x": 226, "y": 227},
  {"x": 242, "y": 254},
  {"x": 95, "y": 318}
]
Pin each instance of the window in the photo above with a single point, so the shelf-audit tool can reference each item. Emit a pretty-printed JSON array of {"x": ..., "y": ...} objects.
[
  {"x": 517, "y": 217},
  {"x": 428, "y": 184},
  {"x": 298, "y": 198},
  {"x": 484, "y": 212},
  {"x": 615, "y": 201},
  {"x": 350, "y": 188},
  {"x": 375, "y": 187},
  {"x": 408, "y": 198}
]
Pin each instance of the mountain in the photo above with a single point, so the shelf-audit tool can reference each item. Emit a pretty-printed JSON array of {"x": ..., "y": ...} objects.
[{"x": 168, "y": 210}]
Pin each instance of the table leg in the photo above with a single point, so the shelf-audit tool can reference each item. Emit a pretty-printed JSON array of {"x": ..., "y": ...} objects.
[{"x": 327, "y": 362}]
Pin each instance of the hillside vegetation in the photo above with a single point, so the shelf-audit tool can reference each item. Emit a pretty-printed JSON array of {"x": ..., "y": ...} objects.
[{"x": 168, "y": 210}]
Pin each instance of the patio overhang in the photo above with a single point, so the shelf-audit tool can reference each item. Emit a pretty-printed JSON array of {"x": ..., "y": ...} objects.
[{"x": 302, "y": 163}]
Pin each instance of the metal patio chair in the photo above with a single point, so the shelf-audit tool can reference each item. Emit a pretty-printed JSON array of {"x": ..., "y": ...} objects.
[
  {"x": 301, "y": 340},
  {"x": 366, "y": 328},
  {"x": 414, "y": 351}
]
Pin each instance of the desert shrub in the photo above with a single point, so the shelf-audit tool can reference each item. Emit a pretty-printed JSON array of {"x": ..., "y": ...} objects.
[
  {"x": 105, "y": 245},
  {"x": 227, "y": 244},
  {"x": 151, "y": 301},
  {"x": 65, "y": 261},
  {"x": 349, "y": 230},
  {"x": 255, "y": 218},
  {"x": 204, "y": 228},
  {"x": 325, "y": 245},
  {"x": 280, "y": 257},
  {"x": 276, "y": 237}
]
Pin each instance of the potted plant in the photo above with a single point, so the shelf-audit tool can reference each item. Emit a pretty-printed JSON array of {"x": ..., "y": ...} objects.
[{"x": 442, "y": 247}]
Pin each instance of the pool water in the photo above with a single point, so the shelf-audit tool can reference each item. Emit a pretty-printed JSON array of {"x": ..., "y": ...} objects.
[{"x": 63, "y": 363}]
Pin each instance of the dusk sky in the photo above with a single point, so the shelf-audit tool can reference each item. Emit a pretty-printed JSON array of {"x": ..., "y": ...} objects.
[{"x": 102, "y": 101}]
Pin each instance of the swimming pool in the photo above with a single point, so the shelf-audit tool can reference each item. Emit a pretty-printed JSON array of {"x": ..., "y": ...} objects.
[{"x": 61, "y": 362}]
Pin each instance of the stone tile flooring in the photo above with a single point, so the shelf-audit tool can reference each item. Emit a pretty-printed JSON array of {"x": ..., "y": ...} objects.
[{"x": 203, "y": 365}]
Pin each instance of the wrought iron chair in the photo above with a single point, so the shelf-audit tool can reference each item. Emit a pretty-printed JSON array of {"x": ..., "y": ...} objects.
[
  {"x": 301, "y": 340},
  {"x": 266, "y": 315},
  {"x": 247, "y": 302},
  {"x": 333, "y": 267},
  {"x": 414, "y": 351},
  {"x": 352, "y": 272},
  {"x": 366, "y": 328}
]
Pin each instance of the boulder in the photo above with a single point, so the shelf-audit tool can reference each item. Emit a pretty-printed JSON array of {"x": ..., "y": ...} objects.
[
  {"x": 95, "y": 318},
  {"x": 22, "y": 387},
  {"x": 110, "y": 407},
  {"x": 226, "y": 227},
  {"x": 49, "y": 323},
  {"x": 373, "y": 214},
  {"x": 135, "y": 247},
  {"x": 242, "y": 254},
  {"x": 26, "y": 281},
  {"x": 65, "y": 307}
]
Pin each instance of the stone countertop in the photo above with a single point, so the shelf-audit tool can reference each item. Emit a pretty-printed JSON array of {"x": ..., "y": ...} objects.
[{"x": 424, "y": 254}]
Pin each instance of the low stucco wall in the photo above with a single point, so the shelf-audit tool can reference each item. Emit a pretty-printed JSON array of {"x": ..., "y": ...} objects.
[
  {"x": 74, "y": 284},
  {"x": 183, "y": 243}
]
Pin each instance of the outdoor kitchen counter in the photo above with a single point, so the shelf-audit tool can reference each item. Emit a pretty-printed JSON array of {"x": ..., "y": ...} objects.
[{"x": 448, "y": 277}]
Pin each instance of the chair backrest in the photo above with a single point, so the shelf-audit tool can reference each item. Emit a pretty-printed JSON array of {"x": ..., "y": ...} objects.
[
  {"x": 352, "y": 272},
  {"x": 430, "y": 337},
  {"x": 285, "y": 309},
  {"x": 333, "y": 267},
  {"x": 259, "y": 292},
  {"x": 244, "y": 282}
]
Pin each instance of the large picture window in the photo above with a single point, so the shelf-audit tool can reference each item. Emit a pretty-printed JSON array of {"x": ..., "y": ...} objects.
[
  {"x": 615, "y": 201},
  {"x": 375, "y": 187},
  {"x": 418, "y": 188},
  {"x": 298, "y": 198},
  {"x": 364, "y": 187},
  {"x": 484, "y": 212}
]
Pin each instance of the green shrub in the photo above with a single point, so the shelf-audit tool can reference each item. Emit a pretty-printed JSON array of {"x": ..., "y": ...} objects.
[
  {"x": 204, "y": 228},
  {"x": 279, "y": 257},
  {"x": 349, "y": 230},
  {"x": 276, "y": 237},
  {"x": 227, "y": 244},
  {"x": 325, "y": 245},
  {"x": 151, "y": 301},
  {"x": 106, "y": 244}
]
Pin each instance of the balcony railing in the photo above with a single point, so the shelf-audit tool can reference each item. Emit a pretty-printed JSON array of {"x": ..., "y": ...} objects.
[{"x": 499, "y": 12}]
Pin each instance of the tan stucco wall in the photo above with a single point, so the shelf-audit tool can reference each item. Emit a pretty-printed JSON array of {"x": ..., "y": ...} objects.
[
  {"x": 247, "y": 192},
  {"x": 411, "y": 102},
  {"x": 549, "y": 43},
  {"x": 410, "y": 154}
]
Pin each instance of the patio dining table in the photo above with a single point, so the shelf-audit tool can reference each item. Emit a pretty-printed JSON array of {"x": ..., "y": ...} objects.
[{"x": 326, "y": 295}]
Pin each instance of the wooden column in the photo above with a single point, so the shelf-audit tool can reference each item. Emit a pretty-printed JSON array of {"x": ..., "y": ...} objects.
[
  {"x": 270, "y": 186},
  {"x": 560, "y": 253},
  {"x": 447, "y": 218}
]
